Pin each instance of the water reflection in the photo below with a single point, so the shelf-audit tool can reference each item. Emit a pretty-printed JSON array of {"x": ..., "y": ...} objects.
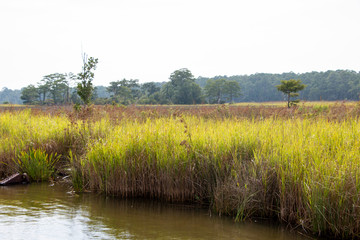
[{"x": 38, "y": 211}]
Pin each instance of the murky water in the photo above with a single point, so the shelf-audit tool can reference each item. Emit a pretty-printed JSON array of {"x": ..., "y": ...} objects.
[{"x": 40, "y": 211}]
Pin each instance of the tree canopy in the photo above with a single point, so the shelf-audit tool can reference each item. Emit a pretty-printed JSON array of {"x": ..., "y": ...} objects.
[
  {"x": 124, "y": 91},
  {"x": 182, "y": 88},
  {"x": 221, "y": 90}
]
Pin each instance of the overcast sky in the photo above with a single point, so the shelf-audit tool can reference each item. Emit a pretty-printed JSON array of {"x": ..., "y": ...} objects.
[{"x": 150, "y": 39}]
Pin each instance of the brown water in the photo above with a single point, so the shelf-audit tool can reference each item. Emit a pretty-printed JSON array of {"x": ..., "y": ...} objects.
[{"x": 40, "y": 211}]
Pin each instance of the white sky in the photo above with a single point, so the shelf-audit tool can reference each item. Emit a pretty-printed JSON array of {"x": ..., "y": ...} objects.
[{"x": 150, "y": 39}]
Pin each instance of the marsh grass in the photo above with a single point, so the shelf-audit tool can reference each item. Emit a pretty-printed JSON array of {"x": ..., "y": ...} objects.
[
  {"x": 301, "y": 171},
  {"x": 300, "y": 166},
  {"x": 37, "y": 164}
]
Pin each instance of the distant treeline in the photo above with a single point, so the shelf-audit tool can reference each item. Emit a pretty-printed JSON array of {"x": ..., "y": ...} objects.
[
  {"x": 259, "y": 87},
  {"x": 329, "y": 85},
  {"x": 8, "y": 96}
]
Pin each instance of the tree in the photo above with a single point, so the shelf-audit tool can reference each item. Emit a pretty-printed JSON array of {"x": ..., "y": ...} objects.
[
  {"x": 167, "y": 92},
  {"x": 232, "y": 89},
  {"x": 85, "y": 87},
  {"x": 30, "y": 94},
  {"x": 178, "y": 77},
  {"x": 214, "y": 90},
  {"x": 150, "y": 93},
  {"x": 57, "y": 86},
  {"x": 124, "y": 91},
  {"x": 182, "y": 88},
  {"x": 43, "y": 89},
  {"x": 149, "y": 88},
  {"x": 217, "y": 90},
  {"x": 291, "y": 88}
]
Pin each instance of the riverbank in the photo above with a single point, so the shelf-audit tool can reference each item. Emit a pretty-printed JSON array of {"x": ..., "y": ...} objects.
[{"x": 298, "y": 167}]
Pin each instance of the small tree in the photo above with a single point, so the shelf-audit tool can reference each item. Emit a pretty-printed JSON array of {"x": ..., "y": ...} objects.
[
  {"x": 291, "y": 88},
  {"x": 85, "y": 87}
]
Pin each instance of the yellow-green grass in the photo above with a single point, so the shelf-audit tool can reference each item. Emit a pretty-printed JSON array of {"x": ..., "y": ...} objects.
[
  {"x": 21, "y": 131},
  {"x": 303, "y": 171}
]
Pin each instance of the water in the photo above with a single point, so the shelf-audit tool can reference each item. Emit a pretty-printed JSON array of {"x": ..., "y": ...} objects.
[{"x": 40, "y": 211}]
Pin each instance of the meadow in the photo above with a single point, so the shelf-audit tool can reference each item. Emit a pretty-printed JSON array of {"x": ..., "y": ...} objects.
[{"x": 299, "y": 166}]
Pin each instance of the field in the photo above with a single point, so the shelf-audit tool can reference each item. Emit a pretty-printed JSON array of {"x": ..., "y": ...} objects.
[{"x": 300, "y": 165}]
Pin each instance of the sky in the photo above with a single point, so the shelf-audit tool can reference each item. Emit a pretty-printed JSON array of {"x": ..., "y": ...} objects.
[{"x": 149, "y": 39}]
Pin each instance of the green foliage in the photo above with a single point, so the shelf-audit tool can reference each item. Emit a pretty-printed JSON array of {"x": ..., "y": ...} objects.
[
  {"x": 85, "y": 87},
  {"x": 218, "y": 90},
  {"x": 77, "y": 107},
  {"x": 30, "y": 94},
  {"x": 329, "y": 85},
  {"x": 232, "y": 89},
  {"x": 37, "y": 164},
  {"x": 182, "y": 88},
  {"x": 149, "y": 89},
  {"x": 43, "y": 89},
  {"x": 124, "y": 91},
  {"x": 259, "y": 87},
  {"x": 290, "y": 89},
  {"x": 214, "y": 90},
  {"x": 57, "y": 85},
  {"x": 52, "y": 89},
  {"x": 150, "y": 93}
]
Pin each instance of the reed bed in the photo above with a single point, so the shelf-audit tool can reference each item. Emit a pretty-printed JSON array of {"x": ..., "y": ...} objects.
[{"x": 300, "y": 166}]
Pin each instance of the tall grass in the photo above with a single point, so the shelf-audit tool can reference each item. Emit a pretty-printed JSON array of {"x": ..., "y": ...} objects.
[
  {"x": 302, "y": 171},
  {"x": 24, "y": 131},
  {"x": 300, "y": 166}
]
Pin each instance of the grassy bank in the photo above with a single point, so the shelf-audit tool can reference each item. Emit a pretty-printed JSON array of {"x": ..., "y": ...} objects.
[{"x": 300, "y": 166}]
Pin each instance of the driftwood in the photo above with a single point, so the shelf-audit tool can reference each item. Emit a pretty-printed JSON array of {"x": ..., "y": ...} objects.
[{"x": 16, "y": 178}]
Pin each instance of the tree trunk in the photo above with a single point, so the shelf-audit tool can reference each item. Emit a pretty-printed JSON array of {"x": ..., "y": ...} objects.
[{"x": 289, "y": 100}]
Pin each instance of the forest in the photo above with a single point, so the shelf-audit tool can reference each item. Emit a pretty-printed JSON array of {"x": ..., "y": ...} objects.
[
  {"x": 184, "y": 88},
  {"x": 329, "y": 85}
]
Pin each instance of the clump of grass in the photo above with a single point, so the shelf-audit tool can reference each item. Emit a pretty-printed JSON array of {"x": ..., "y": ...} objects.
[
  {"x": 77, "y": 176},
  {"x": 37, "y": 164}
]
